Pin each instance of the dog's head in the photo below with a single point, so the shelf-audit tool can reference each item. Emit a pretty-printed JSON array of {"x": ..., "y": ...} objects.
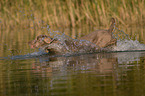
[
  {"x": 47, "y": 44},
  {"x": 41, "y": 41}
]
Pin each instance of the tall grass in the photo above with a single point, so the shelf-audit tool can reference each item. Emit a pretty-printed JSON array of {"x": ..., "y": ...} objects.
[
  {"x": 72, "y": 13},
  {"x": 21, "y": 20}
]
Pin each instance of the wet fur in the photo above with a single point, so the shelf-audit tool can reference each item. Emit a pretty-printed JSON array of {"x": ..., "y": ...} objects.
[{"x": 102, "y": 38}]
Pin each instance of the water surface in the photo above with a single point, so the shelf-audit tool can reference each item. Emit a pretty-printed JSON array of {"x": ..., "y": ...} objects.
[{"x": 95, "y": 74}]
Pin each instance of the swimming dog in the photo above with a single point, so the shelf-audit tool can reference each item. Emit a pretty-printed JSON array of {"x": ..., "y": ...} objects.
[{"x": 101, "y": 38}]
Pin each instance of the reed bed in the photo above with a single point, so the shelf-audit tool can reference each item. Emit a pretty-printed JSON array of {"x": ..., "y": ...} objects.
[
  {"x": 72, "y": 13},
  {"x": 22, "y": 20}
]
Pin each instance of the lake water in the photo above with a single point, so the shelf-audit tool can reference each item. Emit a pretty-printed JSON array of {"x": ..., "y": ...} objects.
[{"x": 95, "y": 74}]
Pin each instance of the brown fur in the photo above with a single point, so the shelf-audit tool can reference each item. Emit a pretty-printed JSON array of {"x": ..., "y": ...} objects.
[
  {"x": 102, "y": 38},
  {"x": 40, "y": 41}
]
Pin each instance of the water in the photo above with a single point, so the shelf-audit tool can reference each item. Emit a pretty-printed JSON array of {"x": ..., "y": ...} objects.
[
  {"x": 99, "y": 74},
  {"x": 29, "y": 72}
]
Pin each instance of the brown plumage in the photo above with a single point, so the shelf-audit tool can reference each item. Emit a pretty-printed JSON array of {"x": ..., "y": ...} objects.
[{"x": 102, "y": 38}]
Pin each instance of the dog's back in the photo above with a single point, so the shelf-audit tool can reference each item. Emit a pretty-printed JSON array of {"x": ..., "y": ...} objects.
[{"x": 102, "y": 38}]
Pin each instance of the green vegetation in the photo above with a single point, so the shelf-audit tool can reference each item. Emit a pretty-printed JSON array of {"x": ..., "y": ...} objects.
[
  {"x": 73, "y": 13},
  {"x": 20, "y": 20}
]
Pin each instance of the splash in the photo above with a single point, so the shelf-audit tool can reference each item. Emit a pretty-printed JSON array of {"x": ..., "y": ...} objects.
[
  {"x": 82, "y": 46},
  {"x": 125, "y": 43},
  {"x": 75, "y": 46},
  {"x": 128, "y": 45},
  {"x": 69, "y": 45}
]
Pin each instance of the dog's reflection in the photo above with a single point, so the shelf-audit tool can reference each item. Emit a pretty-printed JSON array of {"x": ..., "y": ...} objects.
[{"x": 103, "y": 63}]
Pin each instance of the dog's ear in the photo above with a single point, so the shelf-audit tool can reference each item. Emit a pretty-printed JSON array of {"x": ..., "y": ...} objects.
[{"x": 112, "y": 25}]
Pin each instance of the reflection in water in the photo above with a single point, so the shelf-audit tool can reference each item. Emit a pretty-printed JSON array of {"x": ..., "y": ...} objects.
[
  {"x": 101, "y": 62},
  {"x": 88, "y": 74}
]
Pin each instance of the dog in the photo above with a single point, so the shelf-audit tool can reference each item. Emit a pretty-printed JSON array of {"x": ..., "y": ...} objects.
[
  {"x": 102, "y": 38},
  {"x": 98, "y": 39},
  {"x": 43, "y": 42},
  {"x": 56, "y": 47}
]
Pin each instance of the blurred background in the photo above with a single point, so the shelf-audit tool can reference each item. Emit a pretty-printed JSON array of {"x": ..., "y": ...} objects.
[
  {"x": 73, "y": 13},
  {"x": 22, "y": 20},
  {"x": 110, "y": 74}
]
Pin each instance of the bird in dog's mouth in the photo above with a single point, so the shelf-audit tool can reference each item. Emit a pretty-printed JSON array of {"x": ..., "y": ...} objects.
[{"x": 93, "y": 42}]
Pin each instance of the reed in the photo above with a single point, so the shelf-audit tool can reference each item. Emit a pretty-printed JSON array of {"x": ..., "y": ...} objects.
[
  {"x": 72, "y": 13},
  {"x": 23, "y": 20}
]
